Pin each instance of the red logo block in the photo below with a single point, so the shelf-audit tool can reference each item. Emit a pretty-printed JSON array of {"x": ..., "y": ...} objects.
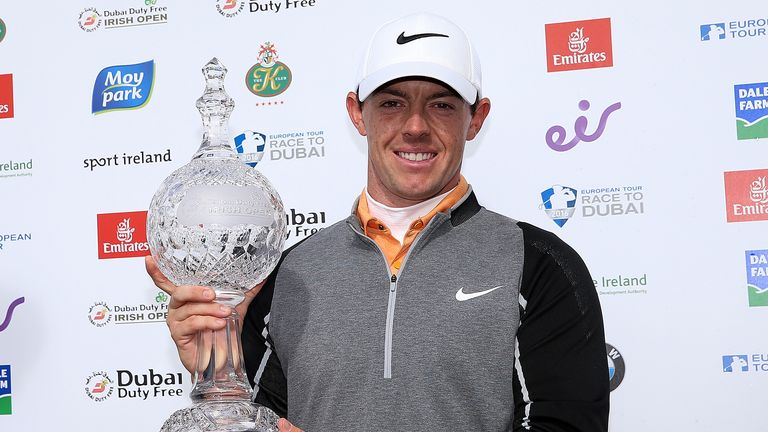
[
  {"x": 122, "y": 235},
  {"x": 579, "y": 45},
  {"x": 746, "y": 195},
  {"x": 6, "y": 96}
]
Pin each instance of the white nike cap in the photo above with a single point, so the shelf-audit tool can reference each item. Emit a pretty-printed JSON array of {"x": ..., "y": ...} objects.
[{"x": 424, "y": 45}]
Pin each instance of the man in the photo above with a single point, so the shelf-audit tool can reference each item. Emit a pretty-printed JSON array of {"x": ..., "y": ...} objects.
[{"x": 422, "y": 310}]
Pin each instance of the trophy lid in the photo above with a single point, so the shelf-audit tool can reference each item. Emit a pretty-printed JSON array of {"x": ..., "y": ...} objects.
[{"x": 215, "y": 107}]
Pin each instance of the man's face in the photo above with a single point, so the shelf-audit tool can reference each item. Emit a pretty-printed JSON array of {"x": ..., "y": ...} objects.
[{"x": 416, "y": 131}]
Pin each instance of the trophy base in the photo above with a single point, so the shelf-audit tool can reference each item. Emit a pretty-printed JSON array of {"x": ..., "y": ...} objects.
[{"x": 222, "y": 416}]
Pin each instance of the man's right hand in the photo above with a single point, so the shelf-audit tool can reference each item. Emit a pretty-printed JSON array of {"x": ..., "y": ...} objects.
[{"x": 192, "y": 308}]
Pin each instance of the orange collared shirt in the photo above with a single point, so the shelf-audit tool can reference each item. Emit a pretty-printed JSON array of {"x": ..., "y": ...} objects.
[{"x": 378, "y": 231}]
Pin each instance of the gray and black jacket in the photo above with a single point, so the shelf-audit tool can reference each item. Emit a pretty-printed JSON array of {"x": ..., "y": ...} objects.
[{"x": 490, "y": 325}]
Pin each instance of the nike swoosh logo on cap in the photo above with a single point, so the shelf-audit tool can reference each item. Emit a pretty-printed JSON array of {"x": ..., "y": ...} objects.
[
  {"x": 403, "y": 39},
  {"x": 462, "y": 296}
]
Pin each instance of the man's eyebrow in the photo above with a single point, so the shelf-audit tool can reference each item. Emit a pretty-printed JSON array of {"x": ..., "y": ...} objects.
[
  {"x": 444, "y": 93},
  {"x": 398, "y": 93},
  {"x": 391, "y": 91}
]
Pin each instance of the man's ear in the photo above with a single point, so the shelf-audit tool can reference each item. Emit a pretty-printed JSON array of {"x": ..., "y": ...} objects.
[
  {"x": 478, "y": 118},
  {"x": 355, "y": 110}
]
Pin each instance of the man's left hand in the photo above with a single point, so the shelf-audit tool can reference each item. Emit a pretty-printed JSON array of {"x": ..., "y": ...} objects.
[{"x": 284, "y": 425}]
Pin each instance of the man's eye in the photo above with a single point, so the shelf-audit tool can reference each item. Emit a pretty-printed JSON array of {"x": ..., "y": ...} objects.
[
  {"x": 390, "y": 104},
  {"x": 443, "y": 106}
]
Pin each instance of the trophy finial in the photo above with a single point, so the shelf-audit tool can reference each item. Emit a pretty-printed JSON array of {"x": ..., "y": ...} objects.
[{"x": 215, "y": 106}]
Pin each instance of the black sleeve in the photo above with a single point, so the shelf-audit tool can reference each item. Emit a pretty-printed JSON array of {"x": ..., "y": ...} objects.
[
  {"x": 561, "y": 378},
  {"x": 261, "y": 361}
]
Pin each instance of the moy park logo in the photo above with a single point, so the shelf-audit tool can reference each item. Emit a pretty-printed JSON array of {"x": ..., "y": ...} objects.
[
  {"x": 122, "y": 235},
  {"x": 579, "y": 45},
  {"x": 123, "y": 87}
]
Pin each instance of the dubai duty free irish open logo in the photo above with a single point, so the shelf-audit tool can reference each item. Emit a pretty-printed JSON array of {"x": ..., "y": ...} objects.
[{"x": 268, "y": 77}]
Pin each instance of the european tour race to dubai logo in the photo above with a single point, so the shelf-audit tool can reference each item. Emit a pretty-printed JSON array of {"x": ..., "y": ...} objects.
[
  {"x": 268, "y": 77},
  {"x": 579, "y": 45},
  {"x": 757, "y": 277},
  {"x": 122, "y": 235},
  {"x": 751, "y": 110},
  {"x": 559, "y": 203},
  {"x": 746, "y": 195},
  {"x": 123, "y": 87}
]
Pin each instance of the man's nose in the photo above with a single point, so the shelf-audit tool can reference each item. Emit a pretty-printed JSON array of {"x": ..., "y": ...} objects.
[{"x": 416, "y": 124}]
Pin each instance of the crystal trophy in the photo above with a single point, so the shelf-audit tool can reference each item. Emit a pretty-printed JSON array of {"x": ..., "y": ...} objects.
[{"x": 217, "y": 222}]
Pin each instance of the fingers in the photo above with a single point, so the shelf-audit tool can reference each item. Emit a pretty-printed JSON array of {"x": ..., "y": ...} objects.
[
  {"x": 284, "y": 425},
  {"x": 157, "y": 276}
]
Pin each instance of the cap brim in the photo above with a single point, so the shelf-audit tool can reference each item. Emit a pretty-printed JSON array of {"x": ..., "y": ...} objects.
[{"x": 416, "y": 69}]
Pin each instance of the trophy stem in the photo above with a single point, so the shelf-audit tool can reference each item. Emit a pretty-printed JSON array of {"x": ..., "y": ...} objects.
[{"x": 220, "y": 373}]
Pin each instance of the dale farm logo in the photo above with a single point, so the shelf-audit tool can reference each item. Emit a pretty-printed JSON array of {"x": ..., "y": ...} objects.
[
  {"x": 757, "y": 277},
  {"x": 746, "y": 195},
  {"x": 559, "y": 203},
  {"x": 5, "y": 390},
  {"x": 579, "y": 45},
  {"x": 122, "y": 235},
  {"x": 751, "y": 110},
  {"x": 268, "y": 77},
  {"x": 123, "y": 87},
  {"x": 6, "y": 96}
]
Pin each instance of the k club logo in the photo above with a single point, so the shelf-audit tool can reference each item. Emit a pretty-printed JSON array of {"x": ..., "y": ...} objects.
[
  {"x": 6, "y": 96},
  {"x": 123, "y": 87},
  {"x": 268, "y": 77},
  {"x": 579, "y": 45},
  {"x": 280, "y": 146},
  {"x": 153, "y": 310},
  {"x": 745, "y": 363},
  {"x": 5, "y": 390},
  {"x": 561, "y": 203},
  {"x": 122, "y": 235},
  {"x": 556, "y": 135},
  {"x": 132, "y": 384},
  {"x": 746, "y": 195},
  {"x": 9, "y": 313},
  {"x": 616, "y": 366},
  {"x": 149, "y": 13},
  {"x": 3, "y": 30},
  {"x": 757, "y": 277},
  {"x": 751, "y": 110},
  {"x": 738, "y": 29}
]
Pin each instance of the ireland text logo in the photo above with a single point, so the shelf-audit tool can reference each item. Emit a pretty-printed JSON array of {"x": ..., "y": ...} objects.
[
  {"x": 751, "y": 110},
  {"x": 757, "y": 277},
  {"x": 746, "y": 195},
  {"x": 268, "y": 77},
  {"x": 123, "y": 87},
  {"x": 579, "y": 45}
]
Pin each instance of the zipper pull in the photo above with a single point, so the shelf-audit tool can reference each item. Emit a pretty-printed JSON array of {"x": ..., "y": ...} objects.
[{"x": 393, "y": 283}]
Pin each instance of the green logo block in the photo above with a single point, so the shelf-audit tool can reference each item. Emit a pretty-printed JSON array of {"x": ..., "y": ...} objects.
[
  {"x": 753, "y": 131},
  {"x": 5, "y": 405},
  {"x": 757, "y": 297},
  {"x": 2, "y": 30},
  {"x": 268, "y": 81}
]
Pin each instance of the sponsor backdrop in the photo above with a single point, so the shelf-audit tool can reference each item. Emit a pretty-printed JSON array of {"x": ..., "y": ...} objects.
[{"x": 637, "y": 133}]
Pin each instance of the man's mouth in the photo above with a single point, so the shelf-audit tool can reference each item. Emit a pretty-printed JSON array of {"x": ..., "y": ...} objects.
[{"x": 416, "y": 156}]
